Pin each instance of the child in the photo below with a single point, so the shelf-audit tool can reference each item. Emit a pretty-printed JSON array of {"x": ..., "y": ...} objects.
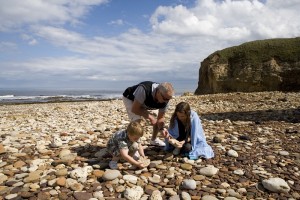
[
  {"x": 186, "y": 135},
  {"x": 126, "y": 144}
]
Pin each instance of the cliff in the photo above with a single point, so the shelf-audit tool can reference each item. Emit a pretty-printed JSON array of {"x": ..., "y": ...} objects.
[{"x": 264, "y": 65}]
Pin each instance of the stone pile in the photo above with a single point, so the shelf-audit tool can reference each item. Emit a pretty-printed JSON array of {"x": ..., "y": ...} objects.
[{"x": 57, "y": 151}]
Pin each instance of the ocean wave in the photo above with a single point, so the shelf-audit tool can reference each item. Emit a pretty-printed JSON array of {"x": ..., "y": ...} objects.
[
  {"x": 7, "y": 96},
  {"x": 56, "y": 98}
]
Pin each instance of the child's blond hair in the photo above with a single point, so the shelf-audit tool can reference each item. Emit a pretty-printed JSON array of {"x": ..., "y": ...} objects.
[{"x": 134, "y": 128}]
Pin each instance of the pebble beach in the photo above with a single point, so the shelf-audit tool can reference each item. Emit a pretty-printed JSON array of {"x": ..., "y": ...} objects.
[{"x": 55, "y": 151}]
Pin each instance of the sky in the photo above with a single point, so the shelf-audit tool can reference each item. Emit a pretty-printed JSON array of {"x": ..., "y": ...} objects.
[{"x": 112, "y": 44}]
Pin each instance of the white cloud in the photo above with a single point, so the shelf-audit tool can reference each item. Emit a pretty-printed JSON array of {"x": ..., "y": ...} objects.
[
  {"x": 7, "y": 46},
  {"x": 30, "y": 40},
  {"x": 179, "y": 20},
  {"x": 15, "y": 13},
  {"x": 230, "y": 20},
  {"x": 33, "y": 42},
  {"x": 117, "y": 22}
]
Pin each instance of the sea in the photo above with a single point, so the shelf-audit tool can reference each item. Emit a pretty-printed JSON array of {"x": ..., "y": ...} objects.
[{"x": 22, "y": 96}]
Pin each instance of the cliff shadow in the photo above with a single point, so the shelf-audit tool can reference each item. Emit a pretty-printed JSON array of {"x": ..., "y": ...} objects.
[{"x": 288, "y": 115}]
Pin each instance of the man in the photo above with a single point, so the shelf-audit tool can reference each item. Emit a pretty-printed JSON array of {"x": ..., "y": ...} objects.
[{"x": 145, "y": 96}]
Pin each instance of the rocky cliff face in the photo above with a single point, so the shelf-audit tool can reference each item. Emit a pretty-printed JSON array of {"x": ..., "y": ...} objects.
[{"x": 265, "y": 65}]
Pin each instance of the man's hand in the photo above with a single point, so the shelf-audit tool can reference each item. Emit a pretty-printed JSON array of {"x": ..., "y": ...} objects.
[
  {"x": 152, "y": 119},
  {"x": 165, "y": 133}
]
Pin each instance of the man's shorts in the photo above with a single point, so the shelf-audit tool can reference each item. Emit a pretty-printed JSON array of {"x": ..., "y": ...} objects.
[{"x": 133, "y": 117}]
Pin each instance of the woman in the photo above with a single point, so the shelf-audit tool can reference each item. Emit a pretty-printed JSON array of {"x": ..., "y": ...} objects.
[{"x": 185, "y": 134}]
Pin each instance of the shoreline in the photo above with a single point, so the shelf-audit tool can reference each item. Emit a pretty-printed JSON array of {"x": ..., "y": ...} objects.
[
  {"x": 57, "y": 101},
  {"x": 184, "y": 94}
]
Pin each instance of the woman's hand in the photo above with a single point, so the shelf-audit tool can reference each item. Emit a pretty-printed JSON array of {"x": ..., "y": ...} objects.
[{"x": 180, "y": 144}]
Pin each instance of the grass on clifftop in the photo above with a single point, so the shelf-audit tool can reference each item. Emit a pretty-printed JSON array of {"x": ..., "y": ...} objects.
[{"x": 255, "y": 52}]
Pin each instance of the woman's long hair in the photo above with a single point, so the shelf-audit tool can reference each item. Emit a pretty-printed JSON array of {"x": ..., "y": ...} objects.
[{"x": 185, "y": 108}]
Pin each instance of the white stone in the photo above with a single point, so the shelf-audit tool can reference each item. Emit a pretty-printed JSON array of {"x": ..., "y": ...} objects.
[
  {"x": 242, "y": 190},
  {"x": 185, "y": 196},
  {"x": 98, "y": 194},
  {"x": 134, "y": 193},
  {"x": 11, "y": 196},
  {"x": 35, "y": 164},
  {"x": 156, "y": 195},
  {"x": 3, "y": 178},
  {"x": 209, "y": 170},
  {"x": 170, "y": 191},
  {"x": 56, "y": 142},
  {"x": 225, "y": 185},
  {"x": 81, "y": 174},
  {"x": 51, "y": 182},
  {"x": 155, "y": 179},
  {"x": 53, "y": 192},
  {"x": 209, "y": 197},
  {"x": 231, "y": 198},
  {"x": 189, "y": 184},
  {"x": 111, "y": 175},
  {"x": 284, "y": 153},
  {"x": 130, "y": 178},
  {"x": 232, "y": 153},
  {"x": 74, "y": 185},
  {"x": 64, "y": 152},
  {"x": 239, "y": 172},
  {"x": 276, "y": 185}
]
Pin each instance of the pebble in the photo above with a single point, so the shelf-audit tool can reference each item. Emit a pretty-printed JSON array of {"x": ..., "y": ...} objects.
[
  {"x": 189, "y": 184},
  {"x": 276, "y": 185},
  {"x": 209, "y": 171},
  {"x": 111, "y": 175},
  {"x": 134, "y": 193}
]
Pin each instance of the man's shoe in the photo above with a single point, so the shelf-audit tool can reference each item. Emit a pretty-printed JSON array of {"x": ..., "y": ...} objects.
[{"x": 157, "y": 142}]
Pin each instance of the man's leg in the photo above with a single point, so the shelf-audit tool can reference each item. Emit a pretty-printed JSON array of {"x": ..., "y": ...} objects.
[
  {"x": 128, "y": 105},
  {"x": 155, "y": 127},
  {"x": 154, "y": 139},
  {"x": 133, "y": 117},
  {"x": 155, "y": 132}
]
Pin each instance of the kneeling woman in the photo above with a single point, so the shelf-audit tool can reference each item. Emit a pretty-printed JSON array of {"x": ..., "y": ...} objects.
[{"x": 185, "y": 134}]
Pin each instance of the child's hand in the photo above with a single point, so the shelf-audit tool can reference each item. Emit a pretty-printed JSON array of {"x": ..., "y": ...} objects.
[{"x": 140, "y": 165}]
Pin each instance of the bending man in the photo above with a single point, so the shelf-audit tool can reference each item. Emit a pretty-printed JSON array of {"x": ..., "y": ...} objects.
[{"x": 140, "y": 99}]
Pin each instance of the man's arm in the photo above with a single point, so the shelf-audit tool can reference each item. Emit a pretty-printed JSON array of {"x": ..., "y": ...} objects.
[
  {"x": 160, "y": 120},
  {"x": 138, "y": 109}
]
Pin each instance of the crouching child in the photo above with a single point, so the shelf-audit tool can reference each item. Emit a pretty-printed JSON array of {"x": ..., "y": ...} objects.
[{"x": 126, "y": 144}]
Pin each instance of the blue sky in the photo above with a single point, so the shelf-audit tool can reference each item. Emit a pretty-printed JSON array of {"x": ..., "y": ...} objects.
[{"x": 102, "y": 44}]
